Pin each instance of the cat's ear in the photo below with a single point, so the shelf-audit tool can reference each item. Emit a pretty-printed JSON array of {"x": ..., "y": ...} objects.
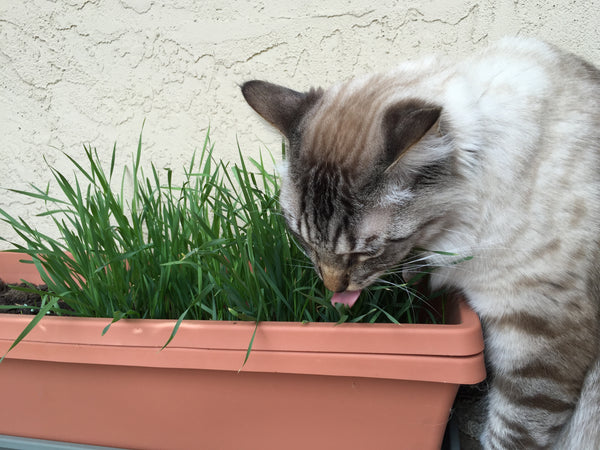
[
  {"x": 280, "y": 106},
  {"x": 405, "y": 124}
]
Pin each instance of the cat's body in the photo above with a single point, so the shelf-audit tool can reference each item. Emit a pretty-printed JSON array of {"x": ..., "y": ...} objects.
[{"x": 496, "y": 157}]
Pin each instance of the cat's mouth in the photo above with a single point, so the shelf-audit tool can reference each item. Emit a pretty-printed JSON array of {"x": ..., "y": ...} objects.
[{"x": 347, "y": 298}]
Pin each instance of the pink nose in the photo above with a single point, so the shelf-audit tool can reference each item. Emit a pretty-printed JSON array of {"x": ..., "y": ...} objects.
[{"x": 335, "y": 280}]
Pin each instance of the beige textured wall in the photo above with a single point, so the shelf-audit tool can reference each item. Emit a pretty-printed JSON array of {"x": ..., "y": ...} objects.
[{"x": 92, "y": 71}]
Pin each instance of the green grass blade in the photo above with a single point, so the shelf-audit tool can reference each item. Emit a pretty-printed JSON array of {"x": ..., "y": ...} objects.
[{"x": 32, "y": 323}]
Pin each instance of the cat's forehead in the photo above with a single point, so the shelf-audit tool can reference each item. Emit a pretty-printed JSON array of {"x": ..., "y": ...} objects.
[
  {"x": 344, "y": 129},
  {"x": 332, "y": 213}
]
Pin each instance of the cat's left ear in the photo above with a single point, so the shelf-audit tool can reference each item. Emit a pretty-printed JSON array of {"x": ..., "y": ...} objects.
[
  {"x": 405, "y": 124},
  {"x": 280, "y": 106}
]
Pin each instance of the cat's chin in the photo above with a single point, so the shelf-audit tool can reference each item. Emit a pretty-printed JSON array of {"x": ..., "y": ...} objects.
[{"x": 347, "y": 298}]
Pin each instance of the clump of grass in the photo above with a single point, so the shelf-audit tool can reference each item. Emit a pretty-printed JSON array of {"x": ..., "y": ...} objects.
[{"x": 212, "y": 247}]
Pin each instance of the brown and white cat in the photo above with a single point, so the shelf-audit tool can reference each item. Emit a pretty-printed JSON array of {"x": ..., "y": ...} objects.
[{"x": 496, "y": 157}]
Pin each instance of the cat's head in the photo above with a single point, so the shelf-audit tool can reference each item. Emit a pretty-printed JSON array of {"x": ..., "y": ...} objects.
[{"x": 366, "y": 177}]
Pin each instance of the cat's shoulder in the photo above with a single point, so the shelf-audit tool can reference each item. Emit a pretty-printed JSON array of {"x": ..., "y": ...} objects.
[
  {"x": 518, "y": 51},
  {"x": 523, "y": 44}
]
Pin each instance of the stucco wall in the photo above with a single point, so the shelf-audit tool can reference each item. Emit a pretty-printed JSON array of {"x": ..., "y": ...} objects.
[{"x": 92, "y": 71}]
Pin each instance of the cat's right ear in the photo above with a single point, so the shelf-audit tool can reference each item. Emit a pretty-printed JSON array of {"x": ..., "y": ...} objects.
[{"x": 280, "y": 106}]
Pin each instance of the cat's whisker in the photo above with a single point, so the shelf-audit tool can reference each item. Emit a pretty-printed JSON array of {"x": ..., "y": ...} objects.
[
  {"x": 411, "y": 292},
  {"x": 454, "y": 267},
  {"x": 300, "y": 248}
]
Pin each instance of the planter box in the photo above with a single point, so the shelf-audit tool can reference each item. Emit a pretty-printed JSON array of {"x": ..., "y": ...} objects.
[{"x": 354, "y": 386}]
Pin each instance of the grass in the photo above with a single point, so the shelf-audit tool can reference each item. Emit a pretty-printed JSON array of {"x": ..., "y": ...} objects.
[{"x": 212, "y": 247}]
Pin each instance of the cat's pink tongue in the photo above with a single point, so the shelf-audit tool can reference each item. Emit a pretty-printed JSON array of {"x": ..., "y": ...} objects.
[{"x": 347, "y": 298}]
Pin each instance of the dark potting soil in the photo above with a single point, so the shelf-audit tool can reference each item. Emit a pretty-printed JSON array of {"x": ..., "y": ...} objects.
[{"x": 13, "y": 297}]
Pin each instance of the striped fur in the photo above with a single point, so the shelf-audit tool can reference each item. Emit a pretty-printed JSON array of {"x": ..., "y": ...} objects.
[{"x": 496, "y": 157}]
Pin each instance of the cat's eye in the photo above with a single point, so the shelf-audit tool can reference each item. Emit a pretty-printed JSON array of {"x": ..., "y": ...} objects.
[
  {"x": 397, "y": 240},
  {"x": 365, "y": 255}
]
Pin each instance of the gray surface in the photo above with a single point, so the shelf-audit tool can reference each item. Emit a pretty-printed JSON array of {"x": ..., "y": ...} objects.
[
  {"x": 469, "y": 413},
  {"x": 20, "y": 443}
]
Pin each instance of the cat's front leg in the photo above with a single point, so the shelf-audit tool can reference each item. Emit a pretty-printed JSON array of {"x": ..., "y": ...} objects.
[
  {"x": 525, "y": 416},
  {"x": 539, "y": 368}
]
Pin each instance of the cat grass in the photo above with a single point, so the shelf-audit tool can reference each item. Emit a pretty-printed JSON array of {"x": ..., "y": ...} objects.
[{"x": 212, "y": 247}]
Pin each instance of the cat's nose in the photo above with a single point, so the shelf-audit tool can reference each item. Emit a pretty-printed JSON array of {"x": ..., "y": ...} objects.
[{"x": 334, "y": 279}]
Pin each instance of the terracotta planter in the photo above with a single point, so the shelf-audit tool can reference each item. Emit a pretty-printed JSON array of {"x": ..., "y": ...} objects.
[{"x": 353, "y": 386}]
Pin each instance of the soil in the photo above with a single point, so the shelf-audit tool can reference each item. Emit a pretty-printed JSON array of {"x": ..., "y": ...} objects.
[{"x": 10, "y": 297}]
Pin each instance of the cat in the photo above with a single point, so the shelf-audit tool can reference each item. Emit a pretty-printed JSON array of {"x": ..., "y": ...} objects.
[{"x": 495, "y": 157}]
